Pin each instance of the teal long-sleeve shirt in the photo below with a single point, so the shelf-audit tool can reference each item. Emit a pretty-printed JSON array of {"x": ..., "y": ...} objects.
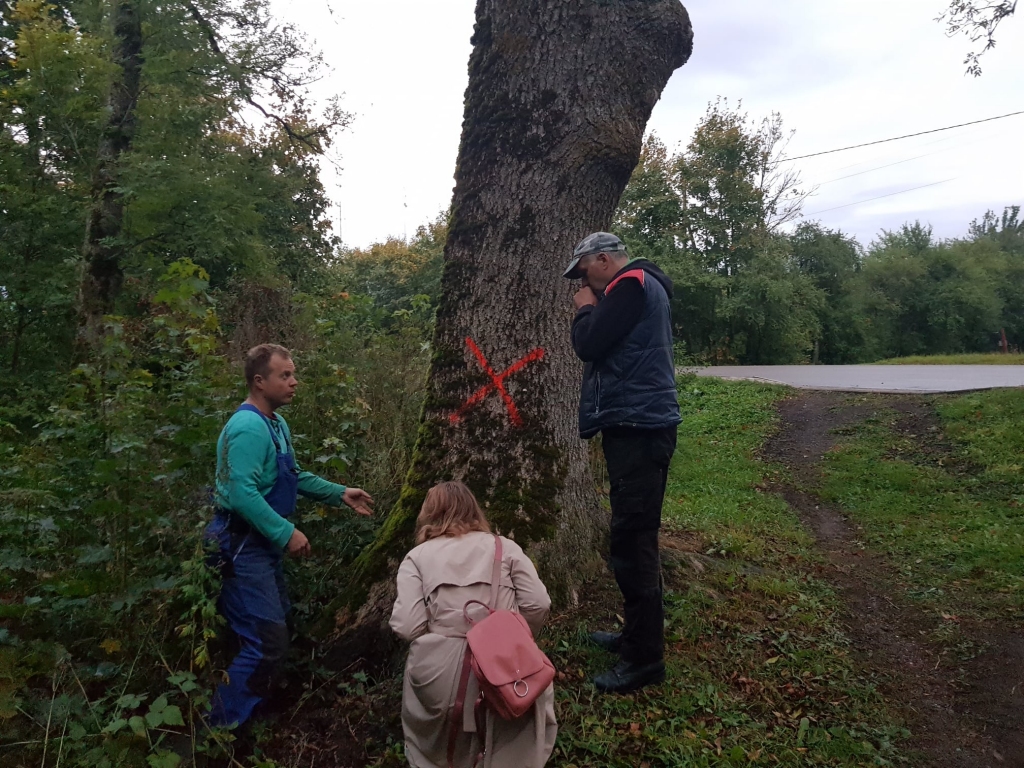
[{"x": 247, "y": 470}]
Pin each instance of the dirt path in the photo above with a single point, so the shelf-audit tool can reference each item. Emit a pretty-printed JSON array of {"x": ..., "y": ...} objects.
[{"x": 962, "y": 715}]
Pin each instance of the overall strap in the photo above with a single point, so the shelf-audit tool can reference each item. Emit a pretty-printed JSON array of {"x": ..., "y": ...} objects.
[
  {"x": 496, "y": 573},
  {"x": 270, "y": 427}
]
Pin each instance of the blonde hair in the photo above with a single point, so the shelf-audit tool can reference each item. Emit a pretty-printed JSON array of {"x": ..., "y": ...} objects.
[{"x": 450, "y": 509}]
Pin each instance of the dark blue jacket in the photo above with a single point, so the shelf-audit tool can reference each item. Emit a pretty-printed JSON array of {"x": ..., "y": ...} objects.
[{"x": 626, "y": 341}]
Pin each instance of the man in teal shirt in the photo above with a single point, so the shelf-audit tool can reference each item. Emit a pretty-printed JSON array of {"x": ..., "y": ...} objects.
[{"x": 257, "y": 487}]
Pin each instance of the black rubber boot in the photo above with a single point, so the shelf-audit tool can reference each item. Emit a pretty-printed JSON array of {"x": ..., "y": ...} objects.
[
  {"x": 610, "y": 641},
  {"x": 626, "y": 676}
]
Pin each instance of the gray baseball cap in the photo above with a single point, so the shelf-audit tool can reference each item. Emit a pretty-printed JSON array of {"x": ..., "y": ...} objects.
[{"x": 598, "y": 242}]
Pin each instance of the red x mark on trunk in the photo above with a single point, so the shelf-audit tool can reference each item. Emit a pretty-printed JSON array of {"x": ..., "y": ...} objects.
[{"x": 497, "y": 383}]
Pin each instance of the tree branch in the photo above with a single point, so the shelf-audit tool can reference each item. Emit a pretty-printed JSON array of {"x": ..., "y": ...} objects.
[
  {"x": 211, "y": 37},
  {"x": 977, "y": 20}
]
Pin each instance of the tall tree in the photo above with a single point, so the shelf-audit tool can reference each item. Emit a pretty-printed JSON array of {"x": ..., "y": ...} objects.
[
  {"x": 53, "y": 83},
  {"x": 832, "y": 260},
  {"x": 710, "y": 216},
  {"x": 559, "y": 95},
  {"x": 103, "y": 269},
  {"x": 200, "y": 181}
]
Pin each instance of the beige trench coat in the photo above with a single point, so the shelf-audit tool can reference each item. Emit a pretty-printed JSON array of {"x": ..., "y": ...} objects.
[{"x": 434, "y": 583}]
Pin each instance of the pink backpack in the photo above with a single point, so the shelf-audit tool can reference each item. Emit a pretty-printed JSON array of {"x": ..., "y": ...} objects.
[{"x": 511, "y": 670}]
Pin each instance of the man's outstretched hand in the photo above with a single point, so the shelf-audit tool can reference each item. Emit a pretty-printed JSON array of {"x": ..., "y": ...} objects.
[
  {"x": 359, "y": 500},
  {"x": 584, "y": 297}
]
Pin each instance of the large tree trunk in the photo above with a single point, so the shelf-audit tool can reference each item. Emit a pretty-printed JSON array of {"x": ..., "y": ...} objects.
[
  {"x": 559, "y": 94},
  {"x": 103, "y": 269}
]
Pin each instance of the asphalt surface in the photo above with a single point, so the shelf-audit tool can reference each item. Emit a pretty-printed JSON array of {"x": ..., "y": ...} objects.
[{"x": 877, "y": 378}]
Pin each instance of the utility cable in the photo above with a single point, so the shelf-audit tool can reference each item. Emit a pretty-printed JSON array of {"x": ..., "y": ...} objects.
[
  {"x": 959, "y": 143},
  {"x": 907, "y": 136},
  {"x": 880, "y": 167},
  {"x": 891, "y": 194}
]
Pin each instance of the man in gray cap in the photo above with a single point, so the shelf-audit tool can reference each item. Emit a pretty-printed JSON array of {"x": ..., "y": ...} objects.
[{"x": 623, "y": 332}]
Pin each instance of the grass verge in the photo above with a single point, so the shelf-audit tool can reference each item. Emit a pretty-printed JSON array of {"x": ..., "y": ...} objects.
[
  {"x": 989, "y": 358},
  {"x": 946, "y": 506}
]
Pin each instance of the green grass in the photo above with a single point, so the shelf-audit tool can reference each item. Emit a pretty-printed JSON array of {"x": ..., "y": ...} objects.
[
  {"x": 759, "y": 669},
  {"x": 951, "y": 520},
  {"x": 991, "y": 358}
]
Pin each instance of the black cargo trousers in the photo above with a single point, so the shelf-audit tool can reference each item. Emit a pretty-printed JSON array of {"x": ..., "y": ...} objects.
[{"x": 638, "y": 461}]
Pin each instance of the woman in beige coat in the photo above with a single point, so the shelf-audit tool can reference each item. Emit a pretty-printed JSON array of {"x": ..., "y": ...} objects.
[{"x": 450, "y": 566}]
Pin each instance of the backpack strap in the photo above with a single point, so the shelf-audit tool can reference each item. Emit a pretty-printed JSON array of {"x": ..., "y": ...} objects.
[
  {"x": 480, "y": 714},
  {"x": 496, "y": 573}
]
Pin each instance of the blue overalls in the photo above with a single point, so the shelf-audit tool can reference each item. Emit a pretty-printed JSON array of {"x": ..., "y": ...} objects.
[{"x": 253, "y": 597}]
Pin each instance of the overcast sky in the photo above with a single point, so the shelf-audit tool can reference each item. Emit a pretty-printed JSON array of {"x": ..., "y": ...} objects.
[{"x": 840, "y": 73}]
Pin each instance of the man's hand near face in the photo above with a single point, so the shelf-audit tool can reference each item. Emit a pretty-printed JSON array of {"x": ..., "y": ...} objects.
[{"x": 584, "y": 297}]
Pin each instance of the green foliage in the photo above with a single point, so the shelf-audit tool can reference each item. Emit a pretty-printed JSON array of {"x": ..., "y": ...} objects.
[
  {"x": 402, "y": 279},
  {"x": 932, "y": 298},
  {"x": 833, "y": 261},
  {"x": 102, "y": 508},
  {"x": 53, "y": 82},
  {"x": 92, "y": 511},
  {"x": 107, "y": 458},
  {"x": 199, "y": 183}
]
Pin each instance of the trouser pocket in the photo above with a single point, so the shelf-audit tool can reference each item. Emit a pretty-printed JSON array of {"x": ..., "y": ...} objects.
[{"x": 636, "y": 500}]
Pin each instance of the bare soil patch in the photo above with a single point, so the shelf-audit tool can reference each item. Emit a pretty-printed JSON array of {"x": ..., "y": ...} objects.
[{"x": 962, "y": 714}]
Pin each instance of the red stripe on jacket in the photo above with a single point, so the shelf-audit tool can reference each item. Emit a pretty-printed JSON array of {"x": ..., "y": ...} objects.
[{"x": 635, "y": 273}]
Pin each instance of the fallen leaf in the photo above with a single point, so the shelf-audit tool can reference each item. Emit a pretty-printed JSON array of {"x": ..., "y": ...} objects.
[{"x": 111, "y": 646}]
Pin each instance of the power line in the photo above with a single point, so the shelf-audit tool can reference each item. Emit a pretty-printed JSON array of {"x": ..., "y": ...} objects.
[
  {"x": 960, "y": 143},
  {"x": 891, "y": 194},
  {"x": 908, "y": 136},
  {"x": 880, "y": 167}
]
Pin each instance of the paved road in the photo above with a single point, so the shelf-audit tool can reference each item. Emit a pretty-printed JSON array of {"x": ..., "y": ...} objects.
[{"x": 877, "y": 378}]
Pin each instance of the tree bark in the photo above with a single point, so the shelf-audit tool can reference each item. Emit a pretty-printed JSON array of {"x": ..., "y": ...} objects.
[
  {"x": 103, "y": 268},
  {"x": 559, "y": 94}
]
